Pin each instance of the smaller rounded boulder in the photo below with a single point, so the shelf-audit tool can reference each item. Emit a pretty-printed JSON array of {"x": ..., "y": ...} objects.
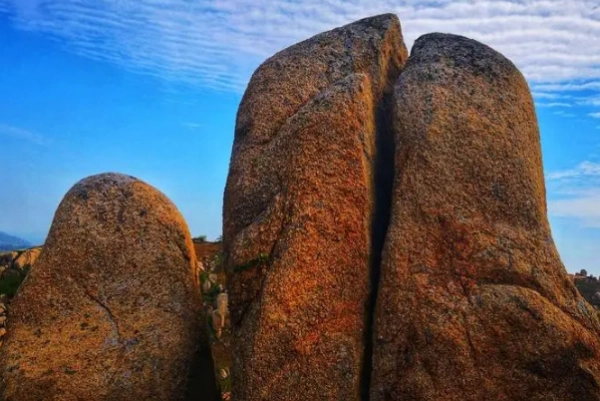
[{"x": 112, "y": 310}]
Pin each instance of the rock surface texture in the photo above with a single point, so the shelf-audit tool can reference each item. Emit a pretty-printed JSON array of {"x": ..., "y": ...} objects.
[
  {"x": 2, "y": 322},
  {"x": 474, "y": 302},
  {"x": 111, "y": 310},
  {"x": 311, "y": 131}
]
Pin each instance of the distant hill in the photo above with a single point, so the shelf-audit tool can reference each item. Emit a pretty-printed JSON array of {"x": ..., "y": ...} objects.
[{"x": 10, "y": 242}]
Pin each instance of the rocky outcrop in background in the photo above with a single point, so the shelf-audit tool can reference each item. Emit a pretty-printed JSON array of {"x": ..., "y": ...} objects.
[
  {"x": 19, "y": 260},
  {"x": 26, "y": 258},
  {"x": 14, "y": 267}
]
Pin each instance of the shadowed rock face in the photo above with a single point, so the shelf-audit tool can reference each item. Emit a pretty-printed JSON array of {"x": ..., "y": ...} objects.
[
  {"x": 111, "y": 310},
  {"x": 474, "y": 302},
  {"x": 311, "y": 133}
]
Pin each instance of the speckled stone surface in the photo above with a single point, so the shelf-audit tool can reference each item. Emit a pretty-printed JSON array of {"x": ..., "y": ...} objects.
[
  {"x": 298, "y": 209},
  {"x": 111, "y": 310},
  {"x": 474, "y": 302}
]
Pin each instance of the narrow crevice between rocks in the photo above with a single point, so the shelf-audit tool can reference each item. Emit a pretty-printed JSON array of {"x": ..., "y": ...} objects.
[
  {"x": 201, "y": 380},
  {"x": 383, "y": 172}
]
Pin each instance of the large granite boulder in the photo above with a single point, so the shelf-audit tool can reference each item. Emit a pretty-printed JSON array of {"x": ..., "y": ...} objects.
[
  {"x": 474, "y": 302},
  {"x": 311, "y": 131},
  {"x": 111, "y": 310}
]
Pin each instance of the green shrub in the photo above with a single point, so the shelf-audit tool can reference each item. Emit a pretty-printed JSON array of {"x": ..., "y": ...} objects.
[
  {"x": 10, "y": 283},
  {"x": 199, "y": 239}
]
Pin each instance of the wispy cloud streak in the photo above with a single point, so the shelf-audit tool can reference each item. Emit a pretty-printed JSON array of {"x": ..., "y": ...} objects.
[
  {"x": 563, "y": 113},
  {"x": 583, "y": 207},
  {"x": 575, "y": 193},
  {"x": 22, "y": 134},
  {"x": 555, "y": 104},
  {"x": 192, "y": 126},
  {"x": 217, "y": 43},
  {"x": 585, "y": 168}
]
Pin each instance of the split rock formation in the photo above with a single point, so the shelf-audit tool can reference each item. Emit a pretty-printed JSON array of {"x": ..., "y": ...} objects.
[{"x": 472, "y": 300}]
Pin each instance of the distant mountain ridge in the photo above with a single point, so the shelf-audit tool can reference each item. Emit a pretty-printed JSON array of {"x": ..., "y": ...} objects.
[{"x": 10, "y": 242}]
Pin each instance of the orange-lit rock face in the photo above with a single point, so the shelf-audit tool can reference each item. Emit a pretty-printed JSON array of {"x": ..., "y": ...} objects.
[
  {"x": 299, "y": 203},
  {"x": 474, "y": 302},
  {"x": 111, "y": 310}
]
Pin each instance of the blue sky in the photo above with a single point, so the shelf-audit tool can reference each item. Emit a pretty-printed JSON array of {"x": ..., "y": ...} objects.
[{"x": 151, "y": 87}]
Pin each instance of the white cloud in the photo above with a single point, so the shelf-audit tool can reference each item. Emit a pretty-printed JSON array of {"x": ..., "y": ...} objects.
[
  {"x": 555, "y": 104},
  {"x": 545, "y": 95},
  {"x": 22, "y": 134},
  {"x": 193, "y": 126},
  {"x": 586, "y": 168},
  {"x": 595, "y": 115},
  {"x": 575, "y": 193},
  {"x": 584, "y": 207},
  {"x": 589, "y": 101},
  {"x": 218, "y": 43},
  {"x": 574, "y": 211},
  {"x": 563, "y": 114},
  {"x": 572, "y": 87},
  {"x": 558, "y": 175}
]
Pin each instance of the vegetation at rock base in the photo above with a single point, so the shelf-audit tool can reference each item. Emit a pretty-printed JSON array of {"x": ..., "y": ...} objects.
[
  {"x": 213, "y": 283},
  {"x": 10, "y": 283},
  {"x": 199, "y": 239}
]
